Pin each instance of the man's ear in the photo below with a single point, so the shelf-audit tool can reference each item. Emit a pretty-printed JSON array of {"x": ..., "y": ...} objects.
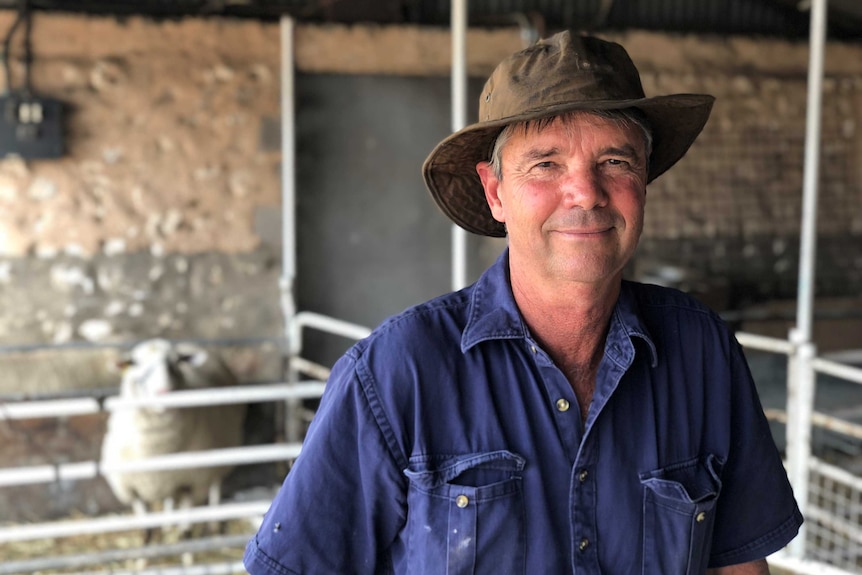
[{"x": 491, "y": 184}]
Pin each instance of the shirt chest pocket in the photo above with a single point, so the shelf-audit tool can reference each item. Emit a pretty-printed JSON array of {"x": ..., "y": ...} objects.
[
  {"x": 679, "y": 511},
  {"x": 466, "y": 514}
]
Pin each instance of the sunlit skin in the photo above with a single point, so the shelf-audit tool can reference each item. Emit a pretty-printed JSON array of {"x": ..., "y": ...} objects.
[
  {"x": 760, "y": 567},
  {"x": 572, "y": 197}
]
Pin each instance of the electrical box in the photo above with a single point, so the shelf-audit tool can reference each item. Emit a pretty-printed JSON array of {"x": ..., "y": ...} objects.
[{"x": 31, "y": 127}]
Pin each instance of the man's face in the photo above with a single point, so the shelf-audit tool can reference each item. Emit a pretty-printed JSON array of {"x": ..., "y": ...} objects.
[{"x": 572, "y": 197}]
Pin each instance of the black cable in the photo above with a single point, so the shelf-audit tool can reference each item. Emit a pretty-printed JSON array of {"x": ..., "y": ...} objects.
[
  {"x": 28, "y": 48},
  {"x": 6, "y": 48}
]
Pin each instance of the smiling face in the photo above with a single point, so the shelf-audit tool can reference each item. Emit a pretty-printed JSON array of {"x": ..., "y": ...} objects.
[{"x": 572, "y": 196}]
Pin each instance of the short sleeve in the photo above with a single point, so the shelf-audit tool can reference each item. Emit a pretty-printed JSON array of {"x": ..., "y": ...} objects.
[
  {"x": 757, "y": 513},
  {"x": 342, "y": 503}
]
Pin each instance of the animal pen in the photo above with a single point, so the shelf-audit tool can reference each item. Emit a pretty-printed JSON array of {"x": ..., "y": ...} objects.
[{"x": 830, "y": 496}]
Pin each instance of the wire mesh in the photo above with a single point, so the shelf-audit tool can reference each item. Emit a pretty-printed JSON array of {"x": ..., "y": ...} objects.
[{"x": 835, "y": 517}]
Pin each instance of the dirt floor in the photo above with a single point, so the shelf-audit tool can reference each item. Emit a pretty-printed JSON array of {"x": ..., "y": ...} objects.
[{"x": 85, "y": 545}]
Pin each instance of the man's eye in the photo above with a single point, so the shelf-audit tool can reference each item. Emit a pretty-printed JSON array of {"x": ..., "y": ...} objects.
[
  {"x": 543, "y": 165},
  {"x": 617, "y": 162}
]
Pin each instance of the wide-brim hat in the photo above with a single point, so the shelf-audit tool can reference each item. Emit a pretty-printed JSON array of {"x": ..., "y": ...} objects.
[{"x": 560, "y": 74}]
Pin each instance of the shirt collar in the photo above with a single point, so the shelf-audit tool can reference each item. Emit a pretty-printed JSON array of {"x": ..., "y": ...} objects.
[
  {"x": 493, "y": 314},
  {"x": 627, "y": 322}
]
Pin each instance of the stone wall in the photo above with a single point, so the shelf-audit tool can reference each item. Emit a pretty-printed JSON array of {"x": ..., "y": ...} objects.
[
  {"x": 151, "y": 223},
  {"x": 730, "y": 211},
  {"x": 163, "y": 217},
  {"x": 161, "y": 220}
]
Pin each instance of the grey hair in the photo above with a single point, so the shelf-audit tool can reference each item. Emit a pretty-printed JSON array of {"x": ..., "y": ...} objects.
[{"x": 625, "y": 116}]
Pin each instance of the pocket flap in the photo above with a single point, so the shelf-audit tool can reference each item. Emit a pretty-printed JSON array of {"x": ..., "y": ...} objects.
[
  {"x": 475, "y": 469},
  {"x": 693, "y": 481}
]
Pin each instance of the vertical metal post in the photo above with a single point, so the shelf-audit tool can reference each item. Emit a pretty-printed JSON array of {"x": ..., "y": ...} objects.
[
  {"x": 802, "y": 385},
  {"x": 459, "y": 120},
  {"x": 811, "y": 169},
  {"x": 288, "y": 216},
  {"x": 800, "y": 407}
]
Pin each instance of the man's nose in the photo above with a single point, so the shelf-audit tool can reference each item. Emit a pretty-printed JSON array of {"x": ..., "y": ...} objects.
[{"x": 582, "y": 188}]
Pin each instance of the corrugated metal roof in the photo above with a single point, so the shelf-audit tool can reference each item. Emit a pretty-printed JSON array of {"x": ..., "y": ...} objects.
[
  {"x": 774, "y": 18},
  {"x": 745, "y": 17}
]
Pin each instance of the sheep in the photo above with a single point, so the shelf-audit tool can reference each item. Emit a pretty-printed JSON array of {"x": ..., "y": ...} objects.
[{"x": 155, "y": 367}]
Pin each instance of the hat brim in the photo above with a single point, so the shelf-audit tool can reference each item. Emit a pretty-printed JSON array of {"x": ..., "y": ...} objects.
[{"x": 450, "y": 169}]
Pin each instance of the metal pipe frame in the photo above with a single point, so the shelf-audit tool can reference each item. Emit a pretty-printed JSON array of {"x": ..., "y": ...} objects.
[
  {"x": 800, "y": 348},
  {"x": 203, "y": 569},
  {"x": 204, "y": 514},
  {"x": 802, "y": 380},
  {"x": 307, "y": 319},
  {"x": 459, "y": 120},
  {"x": 803, "y": 365},
  {"x": 100, "y": 558},
  {"x": 175, "y": 399},
  {"x": 803, "y": 567},
  {"x": 245, "y": 455}
]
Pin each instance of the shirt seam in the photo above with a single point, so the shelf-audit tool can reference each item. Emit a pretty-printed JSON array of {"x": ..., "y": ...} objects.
[
  {"x": 258, "y": 555},
  {"x": 367, "y": 381},
  {"x": 763, "y": 543}
]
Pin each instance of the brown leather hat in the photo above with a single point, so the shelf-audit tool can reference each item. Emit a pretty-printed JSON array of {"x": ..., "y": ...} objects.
[{"x": 560, "y": 74}]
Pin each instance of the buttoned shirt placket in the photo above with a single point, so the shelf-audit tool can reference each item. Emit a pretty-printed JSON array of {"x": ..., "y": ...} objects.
[{"x": 579, "y": 443}]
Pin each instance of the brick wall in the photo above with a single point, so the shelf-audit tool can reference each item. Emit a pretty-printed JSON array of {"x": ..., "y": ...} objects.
[{"x": 731, "y": 210}]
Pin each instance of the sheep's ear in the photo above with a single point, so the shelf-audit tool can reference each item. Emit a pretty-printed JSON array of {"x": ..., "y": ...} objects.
[
  {"x": 125, "y": 363},
  {"x": 194, "y": 358}
]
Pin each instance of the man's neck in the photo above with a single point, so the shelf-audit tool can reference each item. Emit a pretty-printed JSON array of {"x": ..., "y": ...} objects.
[
  {"x": 570, "y": 321},
  {"x": 564, "y": 315}
]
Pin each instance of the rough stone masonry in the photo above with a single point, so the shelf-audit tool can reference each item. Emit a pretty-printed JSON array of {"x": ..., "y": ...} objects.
[{"x": 163, "y": 218}]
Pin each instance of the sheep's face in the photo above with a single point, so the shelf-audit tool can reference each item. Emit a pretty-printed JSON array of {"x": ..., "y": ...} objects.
[{"x": 156, "y": 367}]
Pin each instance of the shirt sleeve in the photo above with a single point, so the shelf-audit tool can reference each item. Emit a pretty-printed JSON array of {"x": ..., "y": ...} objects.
[
  {"x": 343, "y": 502},
  {"x": 757, "y": 513}
]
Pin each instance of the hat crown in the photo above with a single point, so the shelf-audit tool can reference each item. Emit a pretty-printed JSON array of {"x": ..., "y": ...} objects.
[
  {"x": 560, "y": 71},
  {"x": 562, "y": 74}
]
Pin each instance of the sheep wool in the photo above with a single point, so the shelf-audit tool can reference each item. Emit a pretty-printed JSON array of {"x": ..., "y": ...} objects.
[{"x": 156, "y": 367}]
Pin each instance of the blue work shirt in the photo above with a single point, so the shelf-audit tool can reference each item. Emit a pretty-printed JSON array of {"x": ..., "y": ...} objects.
[{"x": 448, "y": 442}]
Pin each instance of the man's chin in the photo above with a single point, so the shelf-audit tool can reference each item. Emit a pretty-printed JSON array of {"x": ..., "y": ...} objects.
[{"x": 586, "y": 271}]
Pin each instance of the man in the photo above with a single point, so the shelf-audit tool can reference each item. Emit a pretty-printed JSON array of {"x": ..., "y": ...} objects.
[{"x": 551, "y": 418}]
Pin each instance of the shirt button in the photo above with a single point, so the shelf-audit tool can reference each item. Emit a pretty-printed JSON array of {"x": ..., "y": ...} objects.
[
  {"x": 584, "y": 544},
  {"x": 582, "y": 476},
  {"x": 562, "y": 405},
  {"x": 533, "y": 348},
  {"x": 700, "y": 517},
  {"x": 462, "y": 501}
]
